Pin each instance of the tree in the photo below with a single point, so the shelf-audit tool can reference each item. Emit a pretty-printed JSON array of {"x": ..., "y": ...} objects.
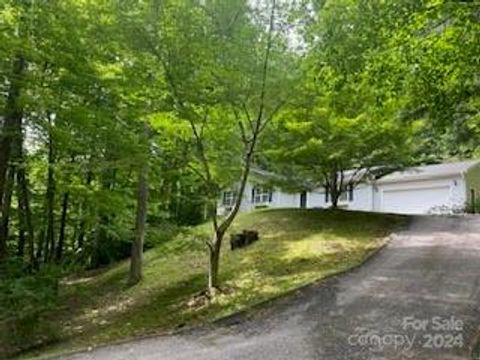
[
  {"x": 136, "y": 262},
  {"x": 426, "y": 61},
  {"x": 228, "y": 101},
  {"x": 337, "y": 131},
  {"x": 314, "y": 146},
  {"x": 72, "y": 113}
]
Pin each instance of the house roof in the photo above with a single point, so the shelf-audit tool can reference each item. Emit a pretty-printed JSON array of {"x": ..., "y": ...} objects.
[
  {"x": 429, "y": 171},
  {"x": 261, "y": 173}
]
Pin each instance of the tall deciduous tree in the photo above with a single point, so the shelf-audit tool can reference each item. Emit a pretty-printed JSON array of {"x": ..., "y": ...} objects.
[
  {"x": 226, "y": 80},
  {"x": 136, "y": 262}
]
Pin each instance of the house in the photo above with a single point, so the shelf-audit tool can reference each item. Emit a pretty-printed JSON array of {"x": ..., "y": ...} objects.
[
  {"x": 441, "y": 188},
  {"x": 257, "y": 195}
]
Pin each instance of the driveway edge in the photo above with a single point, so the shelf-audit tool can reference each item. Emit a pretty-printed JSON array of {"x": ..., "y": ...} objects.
[{"x": 236, "y": 317}]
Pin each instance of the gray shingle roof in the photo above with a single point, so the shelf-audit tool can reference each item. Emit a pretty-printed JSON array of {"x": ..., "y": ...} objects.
[{"x": 429, "y": 171}]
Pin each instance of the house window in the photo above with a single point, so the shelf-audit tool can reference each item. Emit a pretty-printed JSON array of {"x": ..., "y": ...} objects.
[
  {"x": 261, "y": 195},
  {"x": 228, "y": 198}
]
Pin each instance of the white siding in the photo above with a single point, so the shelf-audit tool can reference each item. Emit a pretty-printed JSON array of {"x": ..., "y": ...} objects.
[
  {"x": 316, "y": 199},
  {"x": 279, "y": 200},
  {"x": 420, "y": 197},
  {"x": 362, "y": 198},
  {"x": 408, "y": 197},
  {"x": 282, "y": 200}
]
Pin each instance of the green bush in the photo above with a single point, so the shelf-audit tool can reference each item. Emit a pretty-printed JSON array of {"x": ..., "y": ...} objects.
[
  {"x": 473, "y": 207},
  {"x": 25, "y": 300},
  {"x": 161, "y": 233}
]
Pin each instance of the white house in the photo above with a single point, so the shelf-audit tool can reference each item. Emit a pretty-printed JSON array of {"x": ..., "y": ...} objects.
[{"x": 441, "y": 188}]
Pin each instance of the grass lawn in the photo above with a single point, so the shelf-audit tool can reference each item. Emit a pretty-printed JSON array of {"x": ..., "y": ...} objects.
[{"x": 296, "y": 247}]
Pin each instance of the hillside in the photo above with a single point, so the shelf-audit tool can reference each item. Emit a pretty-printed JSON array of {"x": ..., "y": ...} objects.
[{"x": 296, "y": 247}]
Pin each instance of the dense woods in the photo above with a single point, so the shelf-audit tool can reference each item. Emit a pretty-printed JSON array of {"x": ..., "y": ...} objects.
[{"x": 123, "y": 121}]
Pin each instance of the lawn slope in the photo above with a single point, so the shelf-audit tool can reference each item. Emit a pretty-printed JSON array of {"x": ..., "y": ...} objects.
[{"x": 296, "y": 247}]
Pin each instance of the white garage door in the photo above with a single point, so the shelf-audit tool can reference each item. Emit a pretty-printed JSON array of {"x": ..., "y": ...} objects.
[{"x": 414, "y": 201}]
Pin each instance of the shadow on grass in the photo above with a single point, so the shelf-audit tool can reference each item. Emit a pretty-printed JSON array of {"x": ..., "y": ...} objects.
[
  {"x": 162, "y": 309},
  {"x": 268, "y": 268},
  {"x": 337, "y": 222}
]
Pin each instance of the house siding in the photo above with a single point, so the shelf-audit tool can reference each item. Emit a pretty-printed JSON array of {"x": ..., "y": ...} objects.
[
  {"x": 453, "y": 188},
  {"x": 316, "y": 199},
  {"x": 279, "y": 200},
  {"x": 362, "y": 198},
  {"x": 412, "y": 194}
]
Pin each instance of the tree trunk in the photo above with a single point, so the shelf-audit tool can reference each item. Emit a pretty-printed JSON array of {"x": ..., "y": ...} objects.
[
  {"x": 13, "y": 116},
  {"x": 136, "y": 260},
  {"x": 250, "y": 144},
  {"x": 21, "y": 229},
  {"x": 214, "y": 261},
  {"x": 335, "y": 187},
  {"x": 25, "y": 231},
  {"x": 107, "y": 181},
  {"x": 6, "y": 207},
  {"x": 50, "y": 201},
  {"x": 25, "y": 214},
  {"x": 335, "y": 195},
  {"x": 220, "y": 230},
  {"x": 40, "y": 249},
  {"x": 13, "y": 113},
  {"x": 63, "y": 224},
  {"x": 82, "y": 210},
  {"x": 81, "y": 230}
]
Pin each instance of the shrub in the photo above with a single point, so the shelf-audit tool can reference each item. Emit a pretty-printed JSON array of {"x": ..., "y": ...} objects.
[
  {"x": 25, "y": 300},
  {"x": 161, "y": 234},
  {"x": 473, "y": 207}
]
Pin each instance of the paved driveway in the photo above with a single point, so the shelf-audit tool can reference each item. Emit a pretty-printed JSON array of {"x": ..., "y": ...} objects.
[{"x": 418, "y": 298}]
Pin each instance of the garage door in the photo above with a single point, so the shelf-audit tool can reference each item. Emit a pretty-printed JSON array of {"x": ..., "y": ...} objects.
[{"x": 414, "y": 201}]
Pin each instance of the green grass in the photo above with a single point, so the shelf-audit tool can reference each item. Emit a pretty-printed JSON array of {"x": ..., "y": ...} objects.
[{"x": 296, "y": 247}]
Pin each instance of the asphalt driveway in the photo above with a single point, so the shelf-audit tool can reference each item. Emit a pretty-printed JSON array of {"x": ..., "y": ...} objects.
[{"x": 417, "y": 299}]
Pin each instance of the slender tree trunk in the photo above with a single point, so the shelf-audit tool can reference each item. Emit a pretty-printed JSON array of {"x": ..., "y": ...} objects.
[
  {"x": 83, "y": 222},
  {"x": 220, "y": 230},
  {"x": 214, "y": 261},
  {"x": 334, "y": 188},
  {"x": 13, "y": 112},
  {"x": 50, "y": 201},
  {"x": 103, "y": 220},
  {"x": 21, "y": 229},
  {"x": 136, "y": 260},
  {"x": 107, "y": 180},
  {"x": 335, "y": 195},
  {"x": 13, "y": 115},
  {"x": 98, "y": 235},
  {"x": 40, "y": 248},
  {"x": 25, "y": 215},
  {"x": 250, "y": 145},
  {"x": 6, "y": 207},
  {"x": 63, "y": 224},
  {"x": 81, "y": 230},
  {"x": 26, "y": 233}
]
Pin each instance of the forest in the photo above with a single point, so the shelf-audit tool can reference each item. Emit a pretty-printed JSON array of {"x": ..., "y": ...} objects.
[{"x": 121, "y": 122}]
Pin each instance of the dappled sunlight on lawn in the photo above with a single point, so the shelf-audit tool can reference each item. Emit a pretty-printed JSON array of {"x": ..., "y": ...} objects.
[{"x": 296, "y": 247}]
